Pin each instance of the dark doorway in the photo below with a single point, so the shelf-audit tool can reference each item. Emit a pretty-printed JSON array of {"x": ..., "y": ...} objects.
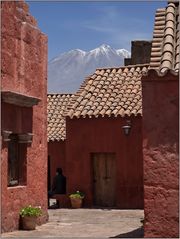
[{"x": 49, "y": 173}]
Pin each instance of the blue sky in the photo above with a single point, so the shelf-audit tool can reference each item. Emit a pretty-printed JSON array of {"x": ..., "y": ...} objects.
[{"x": 87, "y": 25}]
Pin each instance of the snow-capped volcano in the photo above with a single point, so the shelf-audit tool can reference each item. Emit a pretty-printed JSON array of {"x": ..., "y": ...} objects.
[{"x": 67, "y": 71}]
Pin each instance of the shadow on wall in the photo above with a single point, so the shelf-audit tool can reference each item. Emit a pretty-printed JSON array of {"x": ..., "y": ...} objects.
[{"x": 137, "y": 233}]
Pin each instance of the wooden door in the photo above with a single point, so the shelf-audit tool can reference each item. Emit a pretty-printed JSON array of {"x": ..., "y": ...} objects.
[{"x": 104, "y": 179}]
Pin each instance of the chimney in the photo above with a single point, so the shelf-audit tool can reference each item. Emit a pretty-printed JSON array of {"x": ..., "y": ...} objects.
[
  {"x": 127, "y": 61},
  {"x": 140, "y": 53}
]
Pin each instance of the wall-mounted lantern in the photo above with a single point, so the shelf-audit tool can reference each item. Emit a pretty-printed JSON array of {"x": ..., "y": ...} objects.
[{"x": 127, "y": 127}]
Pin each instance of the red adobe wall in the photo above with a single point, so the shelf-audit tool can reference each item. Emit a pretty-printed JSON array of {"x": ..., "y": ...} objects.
[
  {"x": 24, "y": 70},
  {"x": 105, "y": 135},
  {"x": 56, "y": 153},
  {"x": 160, "y": 149}
]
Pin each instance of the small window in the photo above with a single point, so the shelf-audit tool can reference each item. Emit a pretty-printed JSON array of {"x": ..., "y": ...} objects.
[{"x": 17, "y": 154}]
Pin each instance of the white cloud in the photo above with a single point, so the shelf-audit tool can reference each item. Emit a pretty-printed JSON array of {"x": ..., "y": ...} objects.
[
  {"x": 116, "y": 27},
  {"x": 118, "y": 30}
]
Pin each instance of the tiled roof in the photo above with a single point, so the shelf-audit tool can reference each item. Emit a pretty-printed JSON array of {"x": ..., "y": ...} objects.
[
  {"x": 109, "y": 92},
  {"x": 56, "y": 106},
  {"x": 165, "y": 45}
]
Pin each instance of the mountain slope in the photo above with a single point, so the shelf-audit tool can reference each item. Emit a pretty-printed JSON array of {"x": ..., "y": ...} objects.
[{"x": 67, "y": 71}]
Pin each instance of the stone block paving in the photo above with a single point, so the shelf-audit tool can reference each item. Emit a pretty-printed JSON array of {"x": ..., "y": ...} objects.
[{"x": 87, "y": 223}]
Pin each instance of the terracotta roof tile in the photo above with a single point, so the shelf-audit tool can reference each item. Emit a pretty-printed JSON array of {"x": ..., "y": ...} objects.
[
  {"x": 56, "y": 106},
  {"x": 165, "y": 45},
  {"x": 117, "y": 91}
]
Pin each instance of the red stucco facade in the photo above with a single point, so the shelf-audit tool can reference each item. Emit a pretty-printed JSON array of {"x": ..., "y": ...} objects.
[
  {"x": 24, "y": 71},
  {"x": 105, "y": 135},
  {"x": 160, "y": 149}
]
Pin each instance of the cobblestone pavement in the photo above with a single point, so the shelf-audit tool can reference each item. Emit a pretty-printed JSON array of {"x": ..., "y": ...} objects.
[{"x": 97, "y": 223}]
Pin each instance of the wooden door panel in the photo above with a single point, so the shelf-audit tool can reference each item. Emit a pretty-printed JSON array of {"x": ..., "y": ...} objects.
[
  {"x": 98, "y": 179},
  {"x": 110, "y": 180},
  {"x": 104, "y": 179}
]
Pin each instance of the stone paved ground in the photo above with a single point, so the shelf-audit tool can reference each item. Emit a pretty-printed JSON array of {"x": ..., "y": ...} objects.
[{"x": 97, "y": 223}]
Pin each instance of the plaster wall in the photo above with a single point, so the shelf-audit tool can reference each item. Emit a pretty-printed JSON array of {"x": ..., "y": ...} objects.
[
  {"x": 160, "y": 150},
  {"x": 24, "y": 70},
  {"x": 103, "y": 135}
]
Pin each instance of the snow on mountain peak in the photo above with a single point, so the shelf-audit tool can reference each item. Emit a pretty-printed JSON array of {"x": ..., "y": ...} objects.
[
  {"x": 105, "y": 46},
  {"x": 103, "y": 49},
  {"x": 124, "y": 52},
  {"x": 78, "y": 51},
  {"x": 67, "y": 71}
]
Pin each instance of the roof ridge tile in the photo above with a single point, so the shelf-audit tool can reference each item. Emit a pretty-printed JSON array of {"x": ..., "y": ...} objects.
[{"x": 164, "y": 53}]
